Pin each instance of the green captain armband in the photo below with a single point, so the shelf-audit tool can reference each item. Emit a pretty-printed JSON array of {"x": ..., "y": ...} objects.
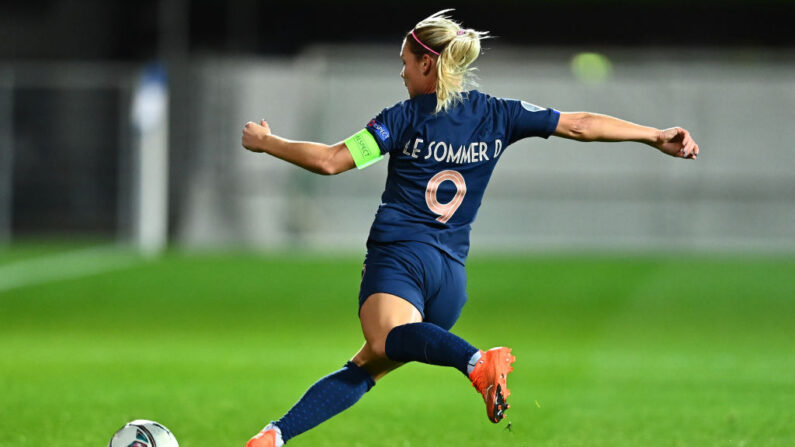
[{"x": 363, "y": 148}]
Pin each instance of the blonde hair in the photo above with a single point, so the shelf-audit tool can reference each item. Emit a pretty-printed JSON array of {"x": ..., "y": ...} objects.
[{"x": 456, "y": 47}]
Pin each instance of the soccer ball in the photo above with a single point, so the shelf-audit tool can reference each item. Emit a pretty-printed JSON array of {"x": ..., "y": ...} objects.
[{"x": 143, "y": 433}]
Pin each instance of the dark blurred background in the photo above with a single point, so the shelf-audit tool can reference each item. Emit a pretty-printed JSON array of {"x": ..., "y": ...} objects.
[
  {"x": 114, "y": 30},
  {"x": 70, "y": 75}
]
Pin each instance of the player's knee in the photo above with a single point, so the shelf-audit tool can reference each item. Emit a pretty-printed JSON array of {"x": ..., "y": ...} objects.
[
  {"x": 376, "y": 341},
  {"x": 377, "y": 366},
  {"x": 378, "y": 348},
  {"x": 372, "y": 359},
  {"x": 371, "y": 352}
]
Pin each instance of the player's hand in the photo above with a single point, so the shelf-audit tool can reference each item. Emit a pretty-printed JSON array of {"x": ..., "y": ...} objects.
[
  {"x": 254, "y": 135},
  {"x": 677, "y": 142}
]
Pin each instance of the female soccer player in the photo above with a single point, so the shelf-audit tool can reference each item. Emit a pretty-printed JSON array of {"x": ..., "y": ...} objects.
[{"x": 443, "y": 143}]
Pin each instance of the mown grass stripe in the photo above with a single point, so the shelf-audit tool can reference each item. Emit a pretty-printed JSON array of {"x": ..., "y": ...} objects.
[{"x": 61, "y": 266}]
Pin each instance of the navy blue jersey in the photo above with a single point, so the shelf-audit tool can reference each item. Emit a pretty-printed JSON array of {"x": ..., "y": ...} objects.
[{"x": 440, "y": 164}]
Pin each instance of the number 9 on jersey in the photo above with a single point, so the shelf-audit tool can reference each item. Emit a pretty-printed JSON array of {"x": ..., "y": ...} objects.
[{"x": 445, "y": 210}]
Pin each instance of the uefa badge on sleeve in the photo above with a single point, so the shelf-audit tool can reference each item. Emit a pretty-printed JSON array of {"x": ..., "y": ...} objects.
[{"x": 380, "y": 130}]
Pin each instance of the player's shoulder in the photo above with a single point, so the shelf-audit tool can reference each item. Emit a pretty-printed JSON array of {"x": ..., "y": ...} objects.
[
  {"x": 478, "y": 96},
  {"x": 505, "y": 101},
  {"x": 484, "y": 98},
  {"x": 417, "y": 103},
  {"x": 485, "y": 102},
  {"x": 401, "y": 111}
]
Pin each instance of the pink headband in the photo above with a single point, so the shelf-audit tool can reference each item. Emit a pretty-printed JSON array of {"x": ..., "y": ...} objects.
[{"x": 423, "y": 45}]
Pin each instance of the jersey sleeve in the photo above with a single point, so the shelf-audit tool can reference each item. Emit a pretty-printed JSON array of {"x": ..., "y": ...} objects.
[
  {"x": 378, "y": 137},
  {"x": 528, "y": 120}
]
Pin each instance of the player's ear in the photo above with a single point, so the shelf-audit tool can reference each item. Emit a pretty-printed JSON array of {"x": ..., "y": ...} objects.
[{"x": 427, "y": 64}]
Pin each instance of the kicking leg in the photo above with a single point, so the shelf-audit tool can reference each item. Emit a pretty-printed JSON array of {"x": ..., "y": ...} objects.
[
  {"x": 395, "y": 335},
  {"x": 428, "y": 343}
]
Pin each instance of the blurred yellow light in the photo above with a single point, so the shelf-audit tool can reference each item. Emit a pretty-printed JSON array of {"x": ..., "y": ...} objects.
[{"x": 591, "y": 68}]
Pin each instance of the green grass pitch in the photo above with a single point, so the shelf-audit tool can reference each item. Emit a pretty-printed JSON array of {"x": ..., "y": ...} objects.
[{"x": 612, "y": 351}]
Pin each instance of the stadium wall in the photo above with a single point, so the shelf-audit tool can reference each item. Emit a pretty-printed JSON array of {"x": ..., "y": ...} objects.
[{"x": 555, "y": 194}]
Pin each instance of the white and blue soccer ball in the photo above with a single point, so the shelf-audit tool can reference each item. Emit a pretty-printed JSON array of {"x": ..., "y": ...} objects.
[{"x": 143, "y": 433}]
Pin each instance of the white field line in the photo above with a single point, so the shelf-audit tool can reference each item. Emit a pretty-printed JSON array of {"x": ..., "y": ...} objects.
[{"x": 69, "y": 265}]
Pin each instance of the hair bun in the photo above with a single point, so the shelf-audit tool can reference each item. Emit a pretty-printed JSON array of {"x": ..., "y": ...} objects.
[{"x": 457, "y": 47}]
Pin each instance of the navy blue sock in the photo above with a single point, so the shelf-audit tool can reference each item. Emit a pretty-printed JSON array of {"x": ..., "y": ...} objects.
[
  {"x": 327, "y": 397},
  {"x": 428, "y": 343}
]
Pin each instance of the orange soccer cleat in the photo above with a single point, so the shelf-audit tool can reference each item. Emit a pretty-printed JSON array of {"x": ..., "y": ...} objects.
[
  {"x": 489, "y": 378},
  {"x": 270, "y": 436}
]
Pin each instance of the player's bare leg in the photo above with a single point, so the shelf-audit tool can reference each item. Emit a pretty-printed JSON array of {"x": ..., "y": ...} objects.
[
  {"x": 381, "y": 313},
  {"x": 392, "y": 324}
]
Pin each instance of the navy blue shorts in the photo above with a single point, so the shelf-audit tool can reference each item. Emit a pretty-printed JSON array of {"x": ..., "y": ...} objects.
[{"x": 420, "y": 274}]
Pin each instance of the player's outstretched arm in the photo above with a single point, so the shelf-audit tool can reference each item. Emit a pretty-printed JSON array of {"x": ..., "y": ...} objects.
[
  {"x": 316, "y": 157},
  {"x": 585, "y": 126}
]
